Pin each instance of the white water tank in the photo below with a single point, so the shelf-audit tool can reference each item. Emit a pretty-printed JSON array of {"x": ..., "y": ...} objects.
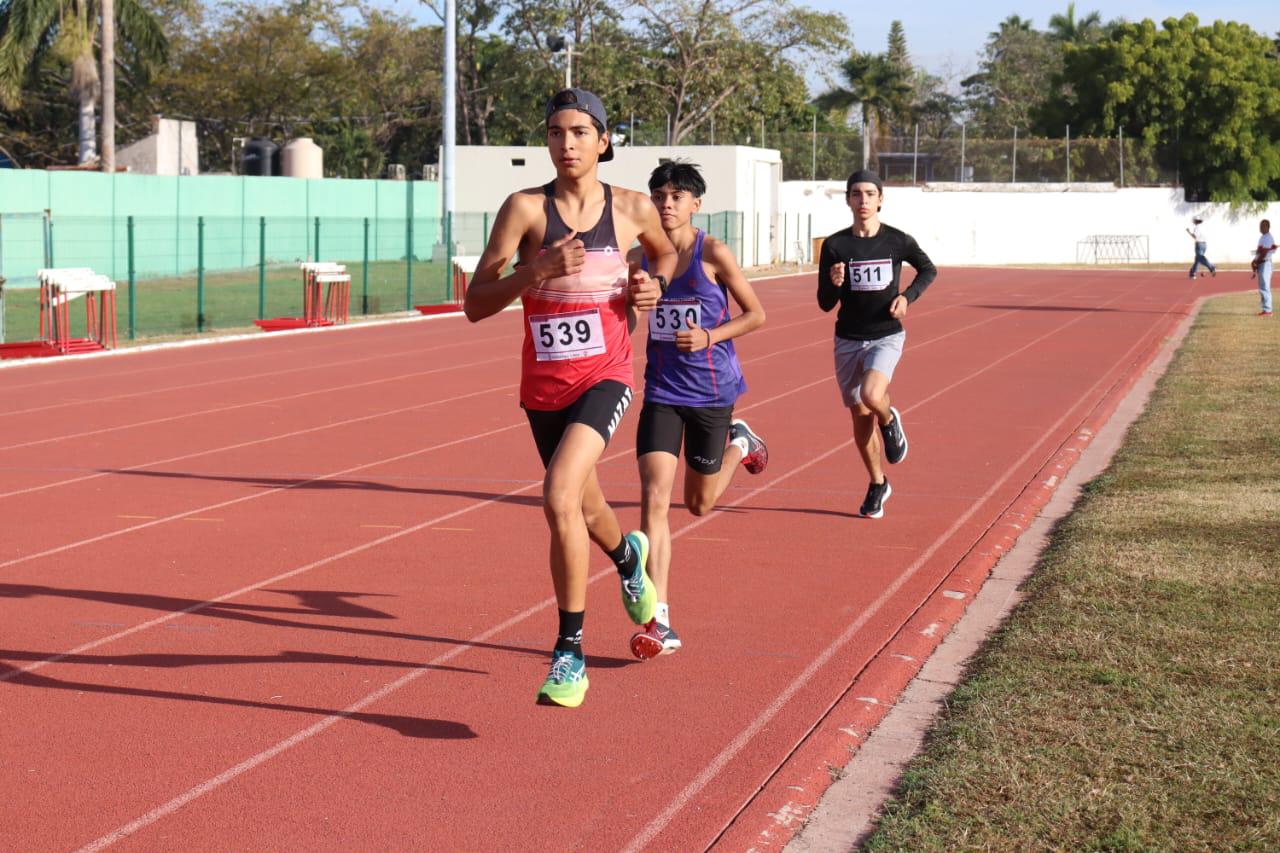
[{"x": 302, "y": 158}]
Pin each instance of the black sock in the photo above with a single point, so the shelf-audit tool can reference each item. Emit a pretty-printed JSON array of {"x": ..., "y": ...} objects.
[
  {"x": 569, "y": 638},
  {"x": 624, "y": 557}
]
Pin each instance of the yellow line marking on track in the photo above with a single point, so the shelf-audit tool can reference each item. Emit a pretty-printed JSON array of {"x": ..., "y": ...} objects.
[
  {"x": 456, "y": 529},
  {"x": 385, "y": 526},
  {"x": 137, "y": 516}
]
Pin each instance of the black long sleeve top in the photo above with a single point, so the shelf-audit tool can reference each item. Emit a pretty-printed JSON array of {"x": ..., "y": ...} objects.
[{"x": 873, "y": 269}]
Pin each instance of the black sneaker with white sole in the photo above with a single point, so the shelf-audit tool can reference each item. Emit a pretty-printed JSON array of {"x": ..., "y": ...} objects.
[
  {"x": 895, "y": 440},
  {"x": 873, "y": 503}
]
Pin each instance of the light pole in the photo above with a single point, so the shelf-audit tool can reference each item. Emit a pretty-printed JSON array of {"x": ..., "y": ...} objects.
[{"x": 564, "y": 43}]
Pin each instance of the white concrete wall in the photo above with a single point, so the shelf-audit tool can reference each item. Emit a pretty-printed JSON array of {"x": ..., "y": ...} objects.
[
  {"x": 1033, "y": 224},
  {"x": 172, "y": 150},
  {"x": 738, "y": 178}
]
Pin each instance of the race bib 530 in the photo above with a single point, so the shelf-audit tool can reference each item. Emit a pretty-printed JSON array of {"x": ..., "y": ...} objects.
[
  {"x": 870, "y": 275},
  {"x": 674, "y": 315},
  {"x": 576, "y": 334}
]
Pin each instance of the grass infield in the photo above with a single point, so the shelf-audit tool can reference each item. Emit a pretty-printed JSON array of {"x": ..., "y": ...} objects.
[{"x": 1132, "y": 700}]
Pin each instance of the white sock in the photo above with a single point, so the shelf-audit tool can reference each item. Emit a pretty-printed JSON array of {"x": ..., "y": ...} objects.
[
  {"x": 741, "y": 443},
  {"x": 663, "y": 613}
]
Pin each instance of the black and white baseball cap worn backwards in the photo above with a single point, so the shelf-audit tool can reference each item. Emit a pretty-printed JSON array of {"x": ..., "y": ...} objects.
[{"x": 586, "y": 102}]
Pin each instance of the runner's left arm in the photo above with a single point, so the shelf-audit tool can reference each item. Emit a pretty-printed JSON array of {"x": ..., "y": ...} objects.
[
  {"x": 643, "y": 291},
  {"x": 725, "y": 266},
  {"x": 926, "y": 272}
]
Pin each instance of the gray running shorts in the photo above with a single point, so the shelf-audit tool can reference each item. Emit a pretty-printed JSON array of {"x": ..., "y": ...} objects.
[{"x": 855, "y": 358}]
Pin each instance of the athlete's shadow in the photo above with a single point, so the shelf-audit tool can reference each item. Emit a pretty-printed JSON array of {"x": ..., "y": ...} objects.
[
  {"x": 810, "y": 511},
  {"x": 274, "y": 616},
  {"x": 417, "y": 727},
  {"x": 334, "y": 483}
]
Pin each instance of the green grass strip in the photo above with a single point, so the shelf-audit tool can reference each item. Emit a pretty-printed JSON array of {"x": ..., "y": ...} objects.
[{"x": 1132, "y": 701}]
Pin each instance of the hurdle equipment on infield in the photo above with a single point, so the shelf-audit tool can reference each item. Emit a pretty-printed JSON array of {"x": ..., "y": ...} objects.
[
  {"x": 332, "y": 308},
  {"x": 463, "y": 268}
]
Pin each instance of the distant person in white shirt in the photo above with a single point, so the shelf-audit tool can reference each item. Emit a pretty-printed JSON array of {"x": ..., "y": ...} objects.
[
  {"x": 1197, "y": 234},
  {"x": 1262, "y": 265}
]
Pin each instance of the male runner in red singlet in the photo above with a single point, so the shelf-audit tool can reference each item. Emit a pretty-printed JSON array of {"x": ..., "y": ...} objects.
[{"x": 576, "y": 378}]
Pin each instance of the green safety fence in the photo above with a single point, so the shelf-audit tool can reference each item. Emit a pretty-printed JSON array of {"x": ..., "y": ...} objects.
[
  {"x": 202, "y": 274},
  {"x": 190, "y": 275}
]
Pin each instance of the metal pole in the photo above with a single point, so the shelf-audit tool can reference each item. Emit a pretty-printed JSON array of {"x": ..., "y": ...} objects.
[
  {"x": 568, "y": 61},
  {"x": 485, "y": 220},
  {"x": 408, "y": 250},
  {"x": 317, "y": 243},
  {"x": 762, "y": 131},
  {"x": 448, "y": 257},
  {"x": 200, "y": 274},
  {"x": 1068, "y": 154},
  {"x": 813, "y": 156},
  {"x": 364, "y": 272},
  {"x": 1014, "y": 178},
  {"x": 962, "y": 130},
  {"x": 668, "y": 128},
  {"x": 915, "y": 155},
  {"x": 713, "y": 128},
  {"x": 631, "y": 132},
  {"x": 133, "y": 281},
  {"x": 450, "y": 110},
  {"x": 1121, "y": 157},
  {"x": 109, "y": 86},
  {"x": 262, "y": 267}
]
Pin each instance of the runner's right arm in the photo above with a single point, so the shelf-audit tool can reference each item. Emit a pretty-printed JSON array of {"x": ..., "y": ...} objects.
[
  {"x": 830, "y": 277},
  {"x": 488, "y": 292}
]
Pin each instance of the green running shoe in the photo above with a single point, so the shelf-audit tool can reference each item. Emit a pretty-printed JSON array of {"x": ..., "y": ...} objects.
[
  {"x": 566, "y": 684},
  {"x": 638, "y": 594}
]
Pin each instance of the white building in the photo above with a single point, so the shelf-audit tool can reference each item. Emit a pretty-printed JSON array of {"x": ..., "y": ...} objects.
[
  {"x": 739, "y": 179},
  {"x": 171, "y": 150}
]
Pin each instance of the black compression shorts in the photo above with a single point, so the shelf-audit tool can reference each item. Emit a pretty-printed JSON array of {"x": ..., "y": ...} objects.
[
  {"x": 703, "y": 429},
  {"x": 600, "y": 407}
]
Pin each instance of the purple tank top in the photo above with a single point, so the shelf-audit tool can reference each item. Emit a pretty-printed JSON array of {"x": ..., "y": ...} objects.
[{"x": 709, "y": 377}]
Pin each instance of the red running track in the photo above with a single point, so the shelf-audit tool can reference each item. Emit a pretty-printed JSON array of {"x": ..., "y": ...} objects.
[{"x": 292, "y": 592}]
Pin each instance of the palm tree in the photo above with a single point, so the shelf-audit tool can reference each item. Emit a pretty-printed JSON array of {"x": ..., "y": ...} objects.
[
  {"x": 66, "y": 31},
  {"x": 873, "y": 81},
  {"x": 1068, "y": 30}
]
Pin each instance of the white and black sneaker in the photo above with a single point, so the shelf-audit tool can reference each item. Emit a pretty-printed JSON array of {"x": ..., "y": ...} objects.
[
  {"x": 895, "y": 440},
  {"x": 873, "y": 503}
]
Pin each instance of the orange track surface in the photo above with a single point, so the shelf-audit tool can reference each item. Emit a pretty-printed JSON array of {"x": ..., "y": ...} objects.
[{"x": 291, "y": 593}]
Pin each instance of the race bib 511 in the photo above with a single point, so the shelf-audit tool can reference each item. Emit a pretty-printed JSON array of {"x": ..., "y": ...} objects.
[
  {"x": 870, "y": 275},
  {"x": 674, "y": 315},
  {"x": 576, "y": 334}
]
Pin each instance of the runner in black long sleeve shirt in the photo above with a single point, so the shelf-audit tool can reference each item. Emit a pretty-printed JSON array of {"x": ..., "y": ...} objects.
[{"x": 860, "y": 269}]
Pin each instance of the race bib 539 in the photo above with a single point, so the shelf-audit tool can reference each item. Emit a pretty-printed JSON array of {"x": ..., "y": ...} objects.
[
  {"x": 576, "y": 334},
  {"x": 674, "y": 315},
  {"x": 870, "y": 275}
]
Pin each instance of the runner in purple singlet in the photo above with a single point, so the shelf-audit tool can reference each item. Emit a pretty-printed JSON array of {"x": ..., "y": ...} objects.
[{"x": 690, "y": 384}]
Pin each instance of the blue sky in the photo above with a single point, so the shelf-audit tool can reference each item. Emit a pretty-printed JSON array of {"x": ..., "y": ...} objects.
[{"x": 946, "y": 38}]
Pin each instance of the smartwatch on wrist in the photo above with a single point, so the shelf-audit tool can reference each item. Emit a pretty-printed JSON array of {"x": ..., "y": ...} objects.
[{"x": 662, "y": 282}]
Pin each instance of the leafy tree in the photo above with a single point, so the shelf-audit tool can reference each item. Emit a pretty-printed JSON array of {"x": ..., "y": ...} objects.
[
  {"x": 1203, "y": 98},
  {"x": 1017, "y": 66},
  {"x": 874, "y": 83},
  {"x": 704, "y": 54},
  {"x": 1066, "y": 28},
  {"x": 65, "y": 33}
]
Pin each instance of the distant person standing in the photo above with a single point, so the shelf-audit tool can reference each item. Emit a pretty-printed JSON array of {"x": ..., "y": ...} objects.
[
  {"x": 1262, "y": 265},
  {"x": 1197, "y": 234}
]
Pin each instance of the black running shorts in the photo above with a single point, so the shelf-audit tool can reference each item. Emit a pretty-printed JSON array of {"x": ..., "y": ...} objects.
[
  {"x": 600, "y": 407},
  {"x": 703, "y": 428}
]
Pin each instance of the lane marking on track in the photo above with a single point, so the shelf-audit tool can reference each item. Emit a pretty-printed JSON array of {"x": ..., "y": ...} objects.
[
  {"x": 716, "y": 765},
  {"x": 295, "y": 433},
  {"x": 234, "y": 406},
  {"x": 254, "y": 496},
  {"x": 456, "y": 529}
]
